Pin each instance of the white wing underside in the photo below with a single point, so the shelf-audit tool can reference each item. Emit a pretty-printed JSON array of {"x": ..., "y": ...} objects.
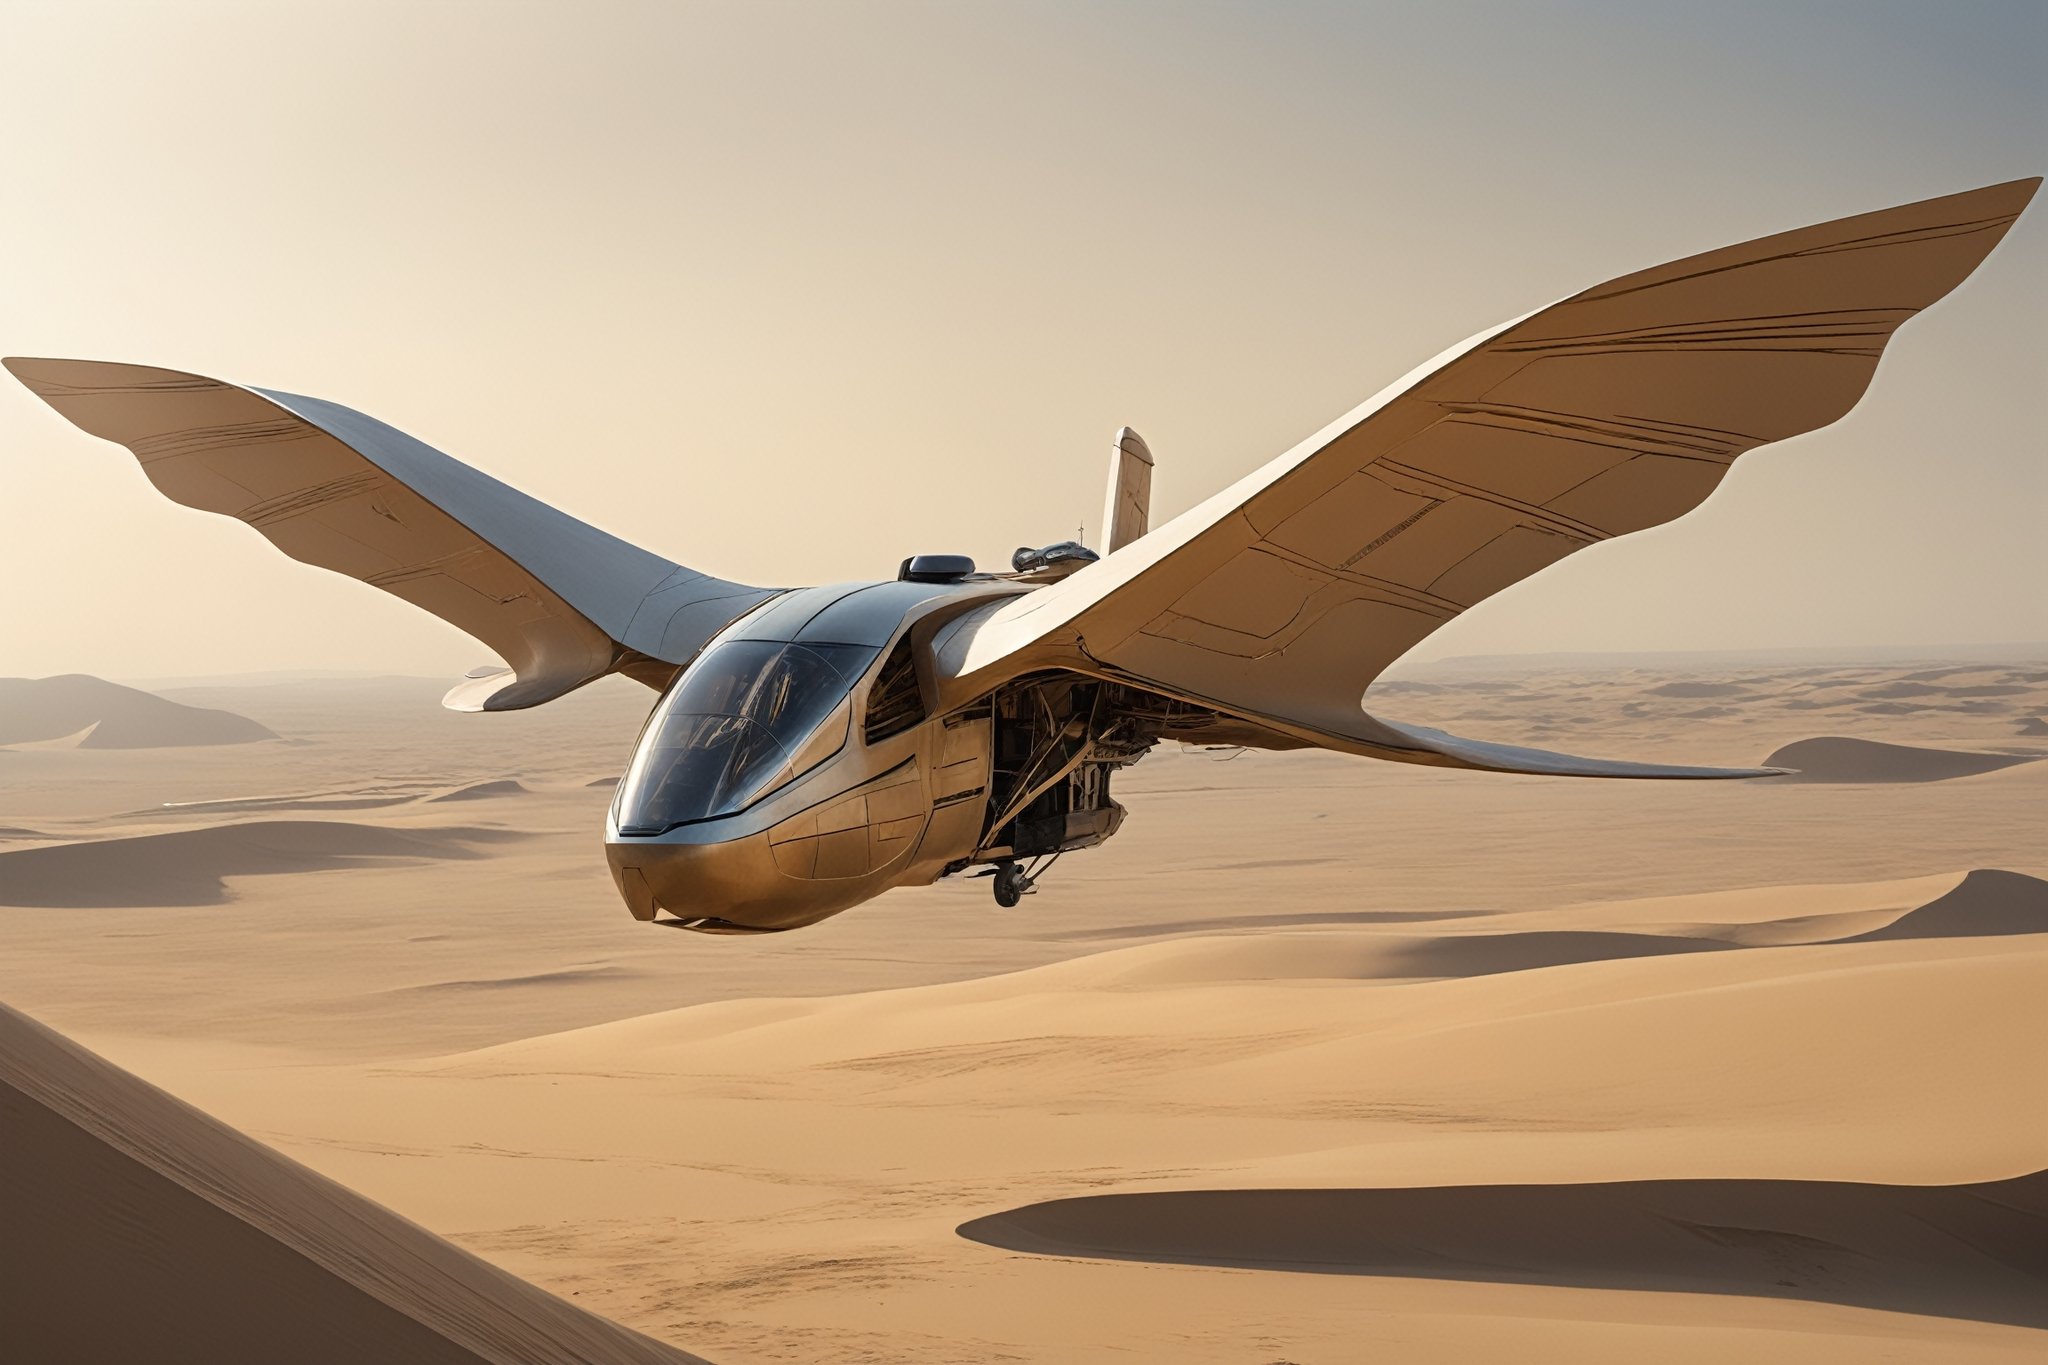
[
  {"x": 563, "y": 602},
  {"x": 1620, "y": 408}
]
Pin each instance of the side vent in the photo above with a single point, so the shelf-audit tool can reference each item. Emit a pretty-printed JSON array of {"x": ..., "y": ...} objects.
[{"x": 895, "y": 702}]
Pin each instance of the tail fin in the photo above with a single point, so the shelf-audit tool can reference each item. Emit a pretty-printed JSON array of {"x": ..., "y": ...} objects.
[{"x": 1127, "y": 512}]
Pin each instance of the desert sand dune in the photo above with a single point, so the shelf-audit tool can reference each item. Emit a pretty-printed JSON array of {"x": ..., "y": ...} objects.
[
  {"x": 1982, "y": 902},
  {"x": 2033, "y": 726},
  {"x": 187, "y": 867},
  {"x": 355, "y": 798},
  {"x": 1951, "y": 905},
  {"x": 1988, "y": 901},
  {"x": 1895, "y": 691},
  {"x": 1337, "y": 955},
  {"x": 1277, "y": 919},
  {"x": 1164, "y": 1065},
  {"x": 104, "y": 715},
  {"x": 565, "y": 977},
  {"x": 484, "y": 791},
  {"x": 1698, "y": 689},
  {"x": 136, "y": 1228},
  {"x": 1837, "y": 758},
  {"x": 1969, "y": 1251},
  {"x": 761, "y": 1149},
  {"x": 1492, "y": 954},
  {"x": 351, "y": 798},
  {"x": 1207, "y": 1028}
]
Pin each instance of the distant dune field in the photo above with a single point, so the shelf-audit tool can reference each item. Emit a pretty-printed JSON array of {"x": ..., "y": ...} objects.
[
  {"x": 1319, "y": 1060},
  {"x": 96, "y": 714}
]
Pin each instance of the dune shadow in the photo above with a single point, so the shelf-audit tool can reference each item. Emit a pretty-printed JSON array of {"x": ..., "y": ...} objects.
[
  {"x": 483, "y": 791},
  {"x": 1277, "y": 920},
  {"x": 1530, "y": 950},
  {"x": 1837, "y": 758},
  {"x": 190, "y": 867},
  {"x": 1987, "y": 901},
  {"x": 1978, "y": 1252}
]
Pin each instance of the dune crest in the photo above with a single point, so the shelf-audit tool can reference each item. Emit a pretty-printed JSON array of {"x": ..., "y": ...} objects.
[
  {"x": 1838, "y": 758},
  {"x": 1966, "y": 1251},
  {"x": 137, "y": 1228},
  {"x": 1961, "y": 905},
  {"x": 1987, "y": 901},
  {"x": 188, "y": 866},
  {"x": 483, "y": 791},
  {"x": 75, "y": 710}
]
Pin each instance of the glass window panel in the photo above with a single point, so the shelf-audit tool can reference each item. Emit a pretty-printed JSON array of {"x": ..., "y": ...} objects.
[{"x": 724, "y": 734}]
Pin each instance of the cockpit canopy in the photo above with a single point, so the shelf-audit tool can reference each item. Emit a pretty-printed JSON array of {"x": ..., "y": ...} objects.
[
  {"x": 767, "y": 701},
  {"x": 734, "y": 727}
]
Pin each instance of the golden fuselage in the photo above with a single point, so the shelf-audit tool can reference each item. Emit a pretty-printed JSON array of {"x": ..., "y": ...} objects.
[
  {"x": 844, "y": 814},
  {"x": 861, "y": 822}
]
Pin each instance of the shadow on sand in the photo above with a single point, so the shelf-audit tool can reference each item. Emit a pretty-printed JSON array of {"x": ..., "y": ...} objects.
[{"x": 1958, "y": 1251}]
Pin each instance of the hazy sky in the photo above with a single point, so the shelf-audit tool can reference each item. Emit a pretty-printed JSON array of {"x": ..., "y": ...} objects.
[{"x": 790, "y": 291}]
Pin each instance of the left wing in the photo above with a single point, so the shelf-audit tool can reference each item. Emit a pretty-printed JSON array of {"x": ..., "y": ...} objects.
[
  {"x": 563, "y": 602},
  {"x": 1617, "y": 409}
]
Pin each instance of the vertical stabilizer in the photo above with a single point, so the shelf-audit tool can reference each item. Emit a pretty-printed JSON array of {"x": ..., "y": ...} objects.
[{"x": 1127, "y": 511}]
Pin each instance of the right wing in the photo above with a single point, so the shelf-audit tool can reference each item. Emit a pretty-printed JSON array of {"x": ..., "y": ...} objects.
[
  {"x": 1617, "y": 409},
  {"x": 563, "y": 602}
]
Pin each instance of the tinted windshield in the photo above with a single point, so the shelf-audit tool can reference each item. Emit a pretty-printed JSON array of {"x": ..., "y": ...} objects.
[{"x": 727, "y": 732}]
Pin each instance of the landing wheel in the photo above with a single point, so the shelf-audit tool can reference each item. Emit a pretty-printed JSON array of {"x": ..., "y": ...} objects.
[{"x": 1010, "y": 884}]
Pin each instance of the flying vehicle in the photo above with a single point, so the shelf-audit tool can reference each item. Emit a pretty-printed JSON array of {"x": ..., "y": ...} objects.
[{"x": 811, "y": 748}]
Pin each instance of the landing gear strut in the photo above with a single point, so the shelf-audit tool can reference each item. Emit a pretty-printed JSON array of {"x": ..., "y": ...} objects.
[
  {"x": 1010, "y": 884},
  {"x": 1013, "y": 883}
]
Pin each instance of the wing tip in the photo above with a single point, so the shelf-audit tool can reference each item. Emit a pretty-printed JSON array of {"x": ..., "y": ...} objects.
[
  {"x": 64, "y": 376},
  {"x": 499, "y": 688},
  {"x": 24, "y": 367},
  {"x": 2007, "y": 199}
]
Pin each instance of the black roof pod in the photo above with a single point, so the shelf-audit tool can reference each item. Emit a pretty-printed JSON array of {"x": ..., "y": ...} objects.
[{"x": 935, "y": 569}]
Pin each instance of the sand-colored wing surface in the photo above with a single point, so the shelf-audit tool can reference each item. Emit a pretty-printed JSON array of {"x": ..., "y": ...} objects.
[
  {"x": 135, "y": 1228},
  {"x": 560, "y": 600},
  {"x": 1127, "y": 507},
  {"x": 1617, "y": 409}
]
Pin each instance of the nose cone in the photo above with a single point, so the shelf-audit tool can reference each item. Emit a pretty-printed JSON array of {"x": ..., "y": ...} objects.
[{"x": 730, "y": 885}]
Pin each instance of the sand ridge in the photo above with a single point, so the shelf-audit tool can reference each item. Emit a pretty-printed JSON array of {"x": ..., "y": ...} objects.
[
  {"x": 92, "y": 713},
  {"x": 483, "y": 791}
]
